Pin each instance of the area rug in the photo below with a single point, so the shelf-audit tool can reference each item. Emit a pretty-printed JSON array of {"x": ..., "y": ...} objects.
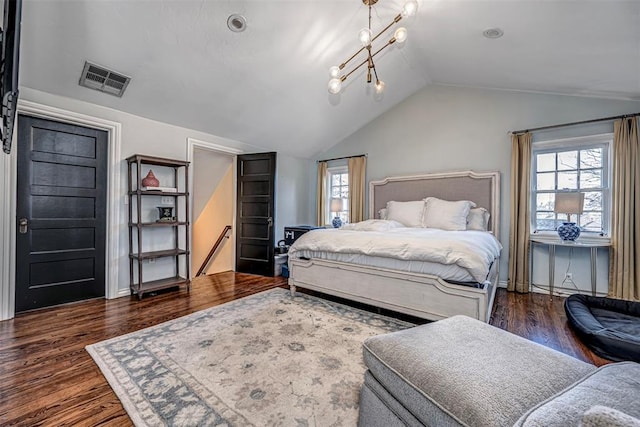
[{"x": 265, "y": 360}]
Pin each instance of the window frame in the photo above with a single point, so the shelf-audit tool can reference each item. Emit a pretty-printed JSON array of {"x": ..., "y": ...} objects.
[
  {"x": 328, "y": 215},
  {"x": 604, "y": 141}
]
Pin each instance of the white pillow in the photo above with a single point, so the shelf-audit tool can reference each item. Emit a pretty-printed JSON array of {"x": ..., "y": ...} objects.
[
  {"x": 600, "y": 416},
  {"x": 407, "y": 213},
  {"x": 382, "y": 213},
  {"x": 446, "y": 215},
  {"x": 478, "y": 219}
]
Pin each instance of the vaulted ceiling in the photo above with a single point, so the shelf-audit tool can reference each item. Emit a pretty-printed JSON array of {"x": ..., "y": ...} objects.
[{"x": 267, "y": 86}]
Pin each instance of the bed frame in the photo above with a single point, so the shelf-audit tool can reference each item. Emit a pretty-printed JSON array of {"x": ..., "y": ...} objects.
[{"x": 422, "y": 295}]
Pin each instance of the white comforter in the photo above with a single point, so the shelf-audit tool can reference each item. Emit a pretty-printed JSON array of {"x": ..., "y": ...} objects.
[{"x": 473, "y": 251}]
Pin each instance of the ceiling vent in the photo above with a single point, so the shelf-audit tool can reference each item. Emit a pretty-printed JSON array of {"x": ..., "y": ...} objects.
[{"x": 107, "y": 81}]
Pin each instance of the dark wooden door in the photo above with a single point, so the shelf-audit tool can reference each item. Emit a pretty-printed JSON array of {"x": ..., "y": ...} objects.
[
  {"x": 61, "y": 213},
  {"x": 255, "y": 213}
]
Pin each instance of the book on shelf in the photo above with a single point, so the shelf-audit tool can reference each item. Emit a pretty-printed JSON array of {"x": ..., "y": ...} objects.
[{"x": 162, "y": 189}]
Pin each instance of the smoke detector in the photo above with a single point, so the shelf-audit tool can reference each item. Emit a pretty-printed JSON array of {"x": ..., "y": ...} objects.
[
  {"x": 102, "y": 79},
  {"x": 236, "y": 23},
  {"x": 493, "y": 33}
]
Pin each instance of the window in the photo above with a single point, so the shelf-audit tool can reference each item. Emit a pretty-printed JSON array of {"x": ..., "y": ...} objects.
[
  {"x": 571, "y": 165},
  {"x": 338, "y": 178}
]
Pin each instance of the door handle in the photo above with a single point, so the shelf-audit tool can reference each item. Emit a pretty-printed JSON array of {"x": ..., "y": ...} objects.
[
  {"x": 24, "y": 224},
  {"x": 270, "y": 221}
]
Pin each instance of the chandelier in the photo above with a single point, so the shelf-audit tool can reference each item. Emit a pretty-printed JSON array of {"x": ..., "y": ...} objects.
[{"x": 366, "y": 37}]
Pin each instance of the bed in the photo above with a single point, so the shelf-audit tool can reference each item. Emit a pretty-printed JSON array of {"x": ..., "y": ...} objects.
[{"x": 429, "y": 290}]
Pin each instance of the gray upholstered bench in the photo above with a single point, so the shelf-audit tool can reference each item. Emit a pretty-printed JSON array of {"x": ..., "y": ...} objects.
[{"x": 460, "y": 371}]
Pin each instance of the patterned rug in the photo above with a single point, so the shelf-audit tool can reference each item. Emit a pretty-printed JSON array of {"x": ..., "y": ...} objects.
[{"x": 264, "y": 360}]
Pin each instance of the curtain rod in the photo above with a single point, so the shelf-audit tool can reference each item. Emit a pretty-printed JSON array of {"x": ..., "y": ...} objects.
[
  {"x": 340, "y": 158},
  {"x": 584, "y": 122}
]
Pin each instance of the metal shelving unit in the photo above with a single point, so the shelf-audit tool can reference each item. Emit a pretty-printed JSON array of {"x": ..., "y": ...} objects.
[{"x": 141, "y": 260}]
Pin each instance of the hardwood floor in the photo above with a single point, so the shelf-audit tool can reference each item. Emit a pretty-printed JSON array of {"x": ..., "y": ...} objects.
[
  {"x": 47, "y": 377},
  {"x": 539, "y": 318}
]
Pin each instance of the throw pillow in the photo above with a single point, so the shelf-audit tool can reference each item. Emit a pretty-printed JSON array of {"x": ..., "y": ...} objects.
[
  {"x": 407, "y": 213},
  {"x": 446, "y": 215},
  {"x": 478, "y": 219},
  {"x": 603, "y": 416}
]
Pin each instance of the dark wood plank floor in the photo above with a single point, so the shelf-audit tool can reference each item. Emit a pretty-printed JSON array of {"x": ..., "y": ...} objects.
[{"x": 47, "y": 377}]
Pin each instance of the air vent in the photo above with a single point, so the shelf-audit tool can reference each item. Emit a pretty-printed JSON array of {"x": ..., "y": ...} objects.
[{"x": 107, "y": 81}]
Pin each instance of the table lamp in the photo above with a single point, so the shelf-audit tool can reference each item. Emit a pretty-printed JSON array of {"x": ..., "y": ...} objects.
[
  {"x": 337, "y": 205},
  {"x": 569, "y": 203}
]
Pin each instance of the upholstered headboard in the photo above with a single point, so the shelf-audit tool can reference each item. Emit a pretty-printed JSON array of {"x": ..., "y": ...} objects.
[{"x": 483, "y": 188}]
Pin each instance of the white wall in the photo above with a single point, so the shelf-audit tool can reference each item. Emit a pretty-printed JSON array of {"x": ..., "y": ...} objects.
[
  {"x": 443, "y": 128},
  {"x": 295, "y": 202},
  {"x": 209, "y": 167},
  {"x": 145, "y": 136}
]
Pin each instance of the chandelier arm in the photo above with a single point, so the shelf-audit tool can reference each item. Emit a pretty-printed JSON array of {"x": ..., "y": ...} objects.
[
  {"x": 344, "y": 64},
  {"x": 373, "y": 65},
  {"x": 343, "y": 78},
  {"x": 390, "y": 42},
  {"x": 395, "y": 20},
  {"x": 370, "y": 64}
]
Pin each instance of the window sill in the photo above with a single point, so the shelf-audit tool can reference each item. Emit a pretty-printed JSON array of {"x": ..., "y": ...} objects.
[{"x": 586, "y": 238}]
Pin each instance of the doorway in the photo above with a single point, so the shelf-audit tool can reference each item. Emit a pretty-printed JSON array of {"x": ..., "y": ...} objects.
[
  {"x": 61, "y": 213},
  {"x": 213, "y": 209}
]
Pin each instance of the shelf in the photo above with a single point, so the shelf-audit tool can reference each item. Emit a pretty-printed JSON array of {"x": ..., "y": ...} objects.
[
  {"x": 157, "y": 193},
  {"x": 158, "y": 254},
  {"x": 158, "y": 161},
  {"x": 160, "y": 284},
  {"x": 157, "y": 224}
]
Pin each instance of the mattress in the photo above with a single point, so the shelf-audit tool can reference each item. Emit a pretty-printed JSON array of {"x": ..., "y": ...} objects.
[
  {"x": 455, "y": 256},
  {"x": 449, "y": 272}
]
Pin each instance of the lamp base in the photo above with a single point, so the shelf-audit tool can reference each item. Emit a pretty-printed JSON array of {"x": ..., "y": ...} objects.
[
  {"x": 568, "y": 231},
  {"x": 337, "y": 222}
]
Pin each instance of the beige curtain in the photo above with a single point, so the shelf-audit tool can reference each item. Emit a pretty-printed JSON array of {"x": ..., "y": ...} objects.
[
  {"x": 520, "y": 226},
  {"x": 357, "y": 180},
  {"x": 624, "y": 266},
  {"x": 321, "y": 193}
]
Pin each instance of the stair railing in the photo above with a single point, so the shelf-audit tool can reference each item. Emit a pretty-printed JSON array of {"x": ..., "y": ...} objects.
[{"x": 213, "y": 249}]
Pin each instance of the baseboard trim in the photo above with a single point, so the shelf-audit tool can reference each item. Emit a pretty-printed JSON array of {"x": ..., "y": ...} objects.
[{"x": 122, "y": 293}]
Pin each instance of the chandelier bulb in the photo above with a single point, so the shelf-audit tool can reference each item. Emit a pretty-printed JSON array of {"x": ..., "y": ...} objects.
[
  {"x": 400, "y": 34},
  {"x": 409, "y": 8},
  {"x": 379, "y": 87},
  {"x": 334, "y": 71},
  {"x": 364, "y": 35},
  {"x": 335, "y": 85}
]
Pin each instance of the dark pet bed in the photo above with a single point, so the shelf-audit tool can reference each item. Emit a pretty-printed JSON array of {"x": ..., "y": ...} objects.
[{"x": 609, "y": 327}]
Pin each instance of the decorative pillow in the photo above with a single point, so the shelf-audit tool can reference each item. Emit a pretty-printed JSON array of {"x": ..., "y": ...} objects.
[
  {"x": 382, "y": 213},
  {"x": 603, "y": 416},
  {"x": 407, "y": 213},
  {"x": 615, "y": 386},
  {"x": 478, "y": 219},
  {"x": 446, "y": 215}
]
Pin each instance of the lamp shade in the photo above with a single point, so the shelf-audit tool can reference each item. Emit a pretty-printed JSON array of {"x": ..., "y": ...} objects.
[
  {"x": 337, "y": 205},
  {"x": 569, "y": 203}
]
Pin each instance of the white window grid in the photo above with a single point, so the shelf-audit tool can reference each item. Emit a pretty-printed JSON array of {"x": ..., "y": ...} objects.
[
  {"x": 581, "y": 145},
  {"x": 338, "y": 180}
]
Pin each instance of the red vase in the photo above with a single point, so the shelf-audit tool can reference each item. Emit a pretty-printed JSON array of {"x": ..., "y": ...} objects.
[{"x": 150, "y": 180}]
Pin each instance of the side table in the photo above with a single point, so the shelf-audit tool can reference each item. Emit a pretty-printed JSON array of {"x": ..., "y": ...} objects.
[{"x": 552, "y": 244}]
